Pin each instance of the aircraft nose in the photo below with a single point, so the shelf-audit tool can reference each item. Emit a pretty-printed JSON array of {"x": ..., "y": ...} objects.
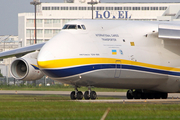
[{"x": 45, "y": 56}]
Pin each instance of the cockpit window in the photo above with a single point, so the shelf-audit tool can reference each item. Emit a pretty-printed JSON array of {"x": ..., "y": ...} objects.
[
  {"x": 79, "y": 27},
  {"x": 70, "y": 27},
  {"x": 65, "y": 27},
  {"x": 83, "y": 27}
]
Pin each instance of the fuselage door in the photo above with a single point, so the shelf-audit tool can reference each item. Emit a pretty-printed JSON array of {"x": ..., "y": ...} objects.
[{"x": 117, "y": 69}]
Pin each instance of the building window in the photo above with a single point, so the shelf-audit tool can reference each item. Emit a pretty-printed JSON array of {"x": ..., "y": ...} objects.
[
  {"x": 82, "y": 8},
  {"x": 29, "y": 21},
  {"x": 73, "y": 8},
  {"x": 64, "y": 8},
  {"x": 46, "y": 40},
  {"x": 90, "y": 8},
  {"x": 47, "y": 21},
  {"x": 100, "y": 8},
  {"x": 162, "y": 8},
  {"x": 117, "y": 8},
  {"x": 30, "y": 31},
  {"x": 57, "y": 21},
  {"x": 127, "y": 8},
  {"x": 56, "y": 31},
  {"x": 144, "y": 8},
  {"x": 39, "y": 21},
  {"x": 136, "y": 8},
  {"x": 39, "y": 31},
  {"x": 45, "y": 8},
  {"x": 39, "y": 40},
  {"x": 55, "y": 8},
  {"x": 48, "y": 31},
  {"x": 154, "y": 8},
  {"x": 109, "y": 8}
]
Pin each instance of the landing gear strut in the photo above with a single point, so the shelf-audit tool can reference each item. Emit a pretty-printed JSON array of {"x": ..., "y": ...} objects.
[{"x": 140, "y": 94}]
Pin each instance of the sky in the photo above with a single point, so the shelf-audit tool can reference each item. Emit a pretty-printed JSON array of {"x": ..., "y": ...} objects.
[{"x": 9, "y": 10}]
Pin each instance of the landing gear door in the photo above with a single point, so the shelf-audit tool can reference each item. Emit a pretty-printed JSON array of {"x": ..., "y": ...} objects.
[{"x": 117, "y": 69}]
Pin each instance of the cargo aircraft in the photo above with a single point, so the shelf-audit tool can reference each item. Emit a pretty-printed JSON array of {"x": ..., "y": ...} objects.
[{"x": 142, "y": 56}]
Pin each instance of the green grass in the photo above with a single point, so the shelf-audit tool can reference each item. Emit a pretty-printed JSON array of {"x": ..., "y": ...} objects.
[
  {"x": 56, "y": 88},
  {"x": 55, "y": 107}
]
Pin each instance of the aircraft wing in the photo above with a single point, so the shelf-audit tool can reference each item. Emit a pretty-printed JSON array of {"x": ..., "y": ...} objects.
[
  {"x": 20, "y": 51},
  {"x": 169, "y": 31}
]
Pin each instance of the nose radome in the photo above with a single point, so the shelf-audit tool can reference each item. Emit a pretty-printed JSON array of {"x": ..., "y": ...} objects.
[{"x": 45, "y": 57}]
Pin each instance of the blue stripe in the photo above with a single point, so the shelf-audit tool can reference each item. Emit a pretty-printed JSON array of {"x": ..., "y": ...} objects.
[
  {"x": 82, "y": 69},
  {"x": 35, "y": 67}
]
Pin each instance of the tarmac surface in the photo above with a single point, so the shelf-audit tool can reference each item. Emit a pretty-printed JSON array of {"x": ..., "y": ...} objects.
[{"x": 120, "y": 96}]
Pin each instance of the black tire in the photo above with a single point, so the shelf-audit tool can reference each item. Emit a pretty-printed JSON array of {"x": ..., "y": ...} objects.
[
  {"x": 86, "y": 95},
  {"x": 79, "y": 95},
  {"x": 157, "y": 95},
  {"x": 137, "y": 95},
  {"x": 129, "y": 95},
  {"x": 72, "y": 95},
  {"x": 144, "y": 96},
  {"x": 93, "y": 95},
  {"x": 164, "y": 95},
  {"x": 150, "y": 95}
]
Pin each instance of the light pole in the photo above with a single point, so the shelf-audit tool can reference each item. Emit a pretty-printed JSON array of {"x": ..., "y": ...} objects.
[
  {"x": 35, "y": 3},
  {"x": 92, "y": 3}
]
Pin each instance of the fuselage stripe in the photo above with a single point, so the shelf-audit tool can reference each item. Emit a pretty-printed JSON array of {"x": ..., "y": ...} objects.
[{"x": 87, "y": 68}]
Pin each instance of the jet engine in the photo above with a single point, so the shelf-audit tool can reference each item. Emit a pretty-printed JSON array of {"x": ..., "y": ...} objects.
[{"x": 25, "y": 68}]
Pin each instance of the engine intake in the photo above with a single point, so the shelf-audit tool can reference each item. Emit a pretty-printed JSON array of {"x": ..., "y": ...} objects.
[{"x": 25, "y": 69}]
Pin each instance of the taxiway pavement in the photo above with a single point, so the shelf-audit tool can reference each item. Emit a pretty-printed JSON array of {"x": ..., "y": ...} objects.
[{"x": 119, "y": 95}]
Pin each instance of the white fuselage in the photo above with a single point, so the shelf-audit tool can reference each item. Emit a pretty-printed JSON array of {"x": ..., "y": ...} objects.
[{"x": 113, "y": 54}]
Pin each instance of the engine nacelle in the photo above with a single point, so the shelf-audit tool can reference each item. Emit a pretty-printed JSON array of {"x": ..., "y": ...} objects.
[{"x": 25, "y": 69}]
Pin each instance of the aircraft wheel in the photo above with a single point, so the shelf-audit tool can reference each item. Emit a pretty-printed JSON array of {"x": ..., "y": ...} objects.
[
  {"x": 129, "y": 94},
  {"x": 93, "y": 95},
  {"x": 86, "y": 95},
  {"x": 150, "y": 95},
  {"x": 157, "y": 95},
  {"x": 144, "y": 95},
  {"x": 137, "y": 95},
  {"x": 72, "y": 95},
  {"x": 164, "y": 95},
  {"x": 79, "y": 95}
]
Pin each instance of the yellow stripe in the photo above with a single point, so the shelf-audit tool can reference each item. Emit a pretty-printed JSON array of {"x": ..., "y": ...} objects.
[
  {"x": 72, "y": 62},
  {"x": 84, "y": 61}
]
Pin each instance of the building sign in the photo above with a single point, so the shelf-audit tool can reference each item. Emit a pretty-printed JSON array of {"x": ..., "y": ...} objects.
[{"x": 107, "y": 15}]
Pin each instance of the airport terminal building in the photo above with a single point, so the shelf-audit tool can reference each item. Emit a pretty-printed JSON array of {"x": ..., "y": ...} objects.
[{"x": 51, "y": 17}]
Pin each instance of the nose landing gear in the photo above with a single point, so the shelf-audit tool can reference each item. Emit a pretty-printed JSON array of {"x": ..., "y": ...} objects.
[{"x": 79, "y": 95}]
